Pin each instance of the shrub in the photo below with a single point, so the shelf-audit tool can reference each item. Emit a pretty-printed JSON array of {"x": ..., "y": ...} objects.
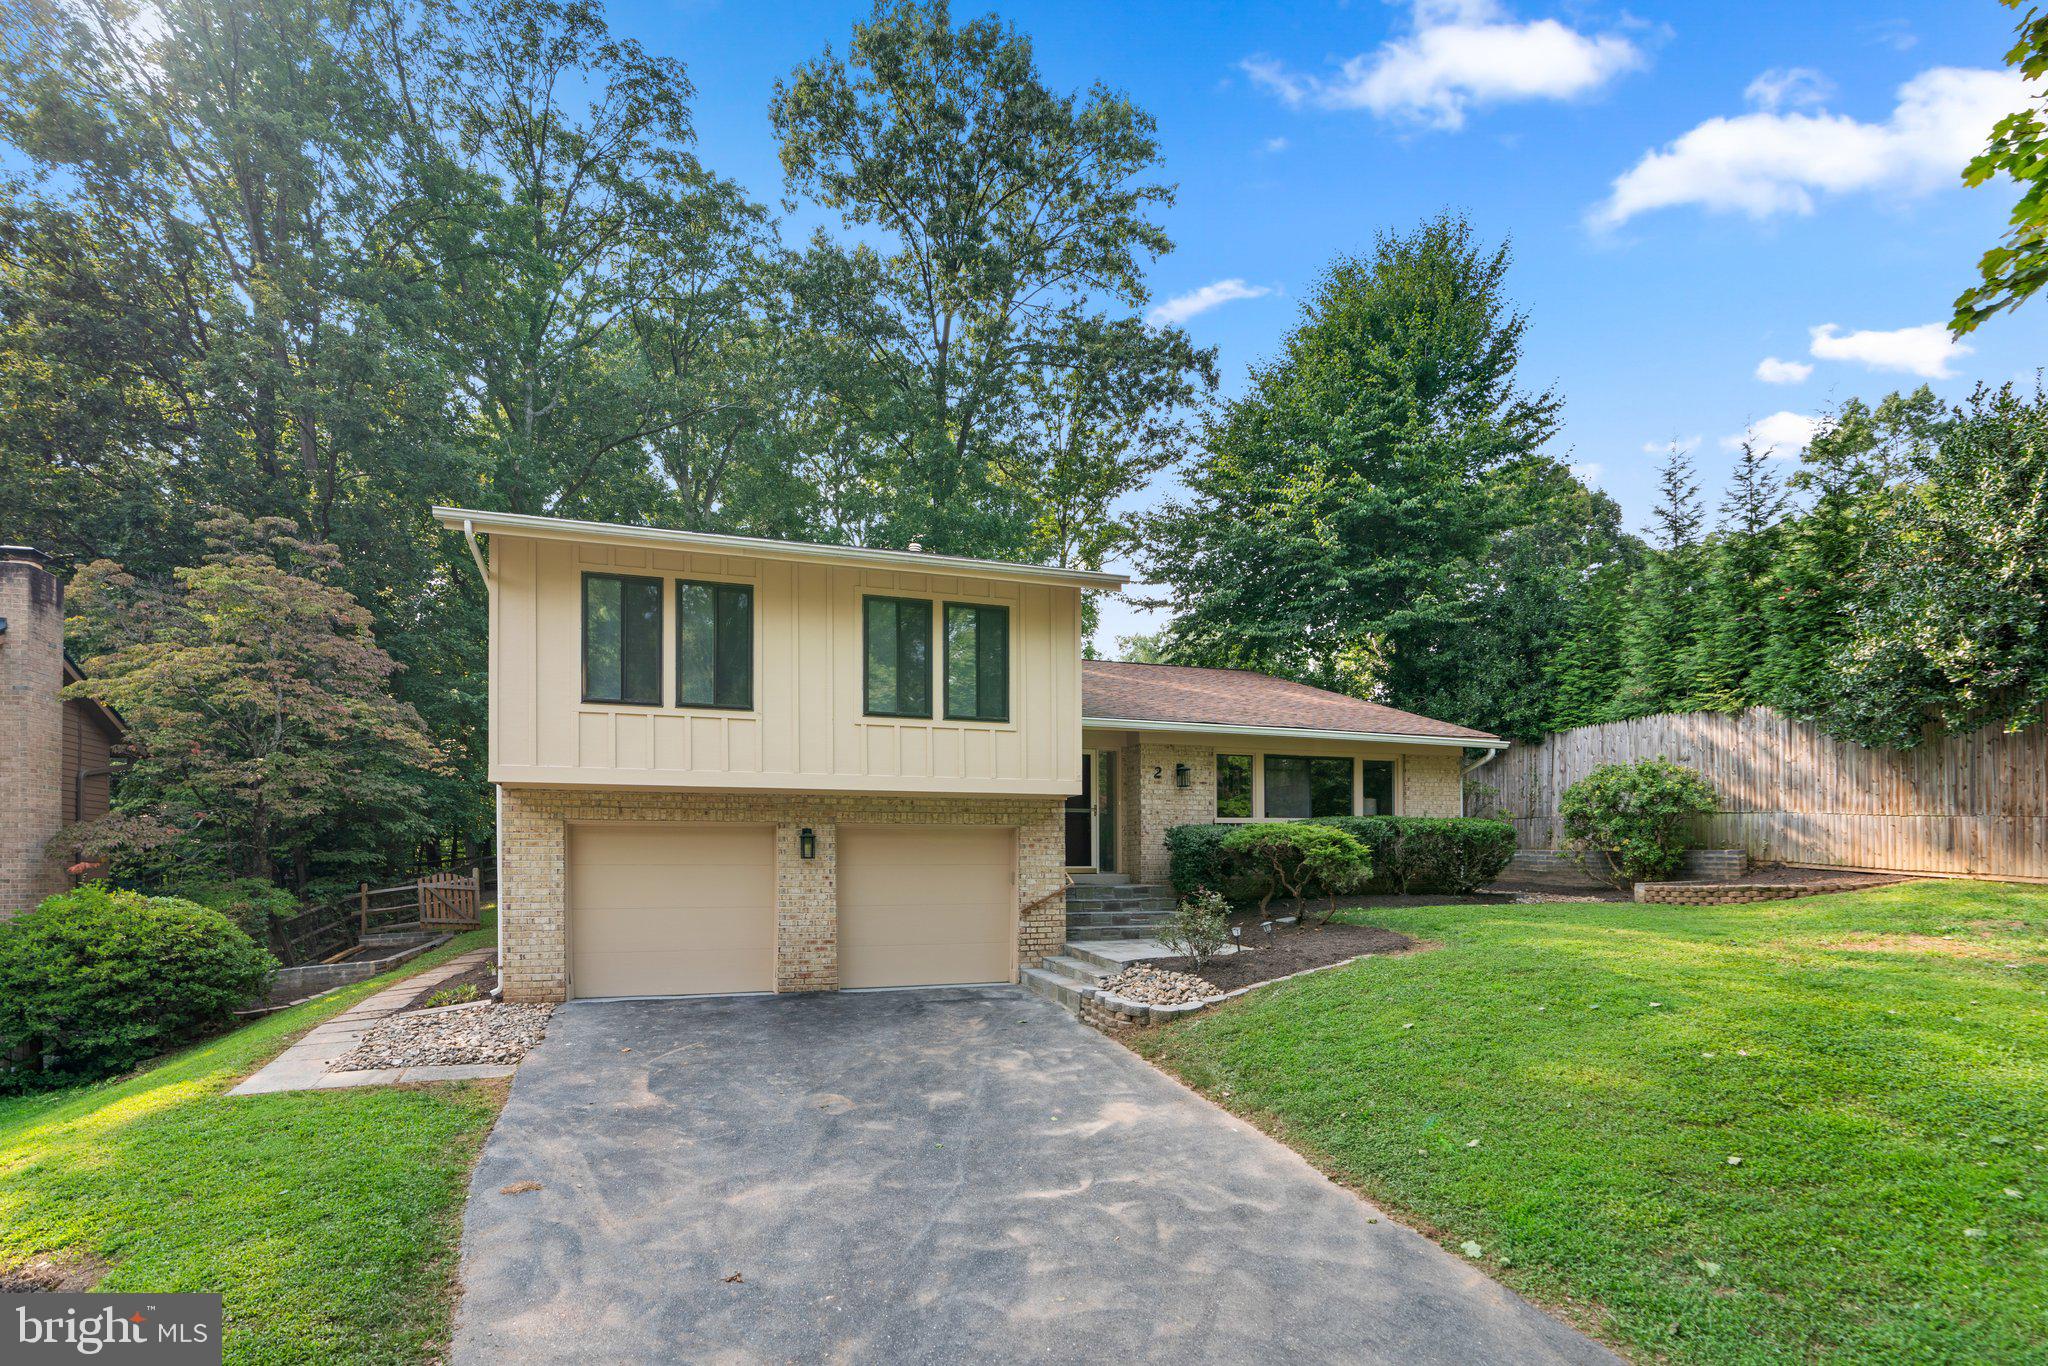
[
  {"x": 1298, "y": 857},
  {"x": 1200, "y": 926},
  {"x": 1410, "y": 854},
  {"x": 453, "y": 996},
  {"x": 1639, "y": 814},
  {"x": 94, "y": 981},
  {"x": 1195, "y": 858},
  {"x": 251, "y": 902}
]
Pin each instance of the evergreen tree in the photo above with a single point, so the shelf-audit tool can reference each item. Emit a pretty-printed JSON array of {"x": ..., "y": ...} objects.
[
  {"x": 1586, "y": 672},
  {"x": 1730, "y": 634},
  {"x": 1663, "y": 616}
]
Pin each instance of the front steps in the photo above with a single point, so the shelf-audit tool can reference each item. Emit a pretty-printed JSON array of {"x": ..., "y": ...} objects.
[
  {"x": 1085, "y": 964},
  {"x": 1103, "y": 910}
]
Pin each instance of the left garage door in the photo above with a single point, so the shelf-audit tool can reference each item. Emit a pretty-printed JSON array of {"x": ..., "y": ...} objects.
[{"x": 671, "y": 910}]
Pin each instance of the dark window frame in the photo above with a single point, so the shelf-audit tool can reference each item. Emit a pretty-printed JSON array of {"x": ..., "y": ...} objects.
[
  {"x": 660, "y": 627},
  {"x": 867, "y": 703},
  {"x": 718, "y": 587},
  {"x": 944, "y": 662},
  {"x": 1308, "y": 761},
  {"x": 1251, "y": 763}
]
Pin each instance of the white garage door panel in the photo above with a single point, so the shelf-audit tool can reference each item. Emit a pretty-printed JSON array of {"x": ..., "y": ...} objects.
[
  {"x": 671, "y": 911},
  {"x": 923, "y": 906}
]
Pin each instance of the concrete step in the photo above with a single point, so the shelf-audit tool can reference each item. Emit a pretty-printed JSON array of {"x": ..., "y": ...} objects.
[
  {"x": 1074, "y": 970},
  {"x": 1119, "y": 914},
  {"x": 1134, "y": 891},
  {"x": 1053, "y": 987}
]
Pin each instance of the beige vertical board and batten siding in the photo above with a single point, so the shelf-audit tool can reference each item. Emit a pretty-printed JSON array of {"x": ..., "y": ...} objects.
[
  {"x": 806, "y": 731},
  {"x": 1957, "y": 804}
]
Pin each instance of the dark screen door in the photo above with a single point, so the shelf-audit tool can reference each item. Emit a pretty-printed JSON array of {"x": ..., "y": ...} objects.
[{"x": 1080, "y": 818}]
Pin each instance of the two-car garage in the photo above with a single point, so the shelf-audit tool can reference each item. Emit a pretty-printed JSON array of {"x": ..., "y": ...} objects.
[{"x": 678, "y": 910}]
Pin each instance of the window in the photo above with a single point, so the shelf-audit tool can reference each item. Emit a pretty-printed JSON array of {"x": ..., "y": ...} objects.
[
  {"x": 977, "y": 662},
  {"x": 622, "y": 639},
  {"x": 1297, "y": 787},
  {"x": 1233, "y": 787},
  {"x": 1379, "y": 787},
  {"x": 896, "y": 636},
  {"x": 714, "y": 645}
]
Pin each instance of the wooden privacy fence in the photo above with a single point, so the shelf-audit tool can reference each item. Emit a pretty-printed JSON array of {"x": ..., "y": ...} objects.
[{"x": 1967, "y": 804}]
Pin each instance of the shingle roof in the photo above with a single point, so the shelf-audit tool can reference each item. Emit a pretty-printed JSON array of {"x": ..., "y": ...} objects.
[{"x": 1111, "y": 690}]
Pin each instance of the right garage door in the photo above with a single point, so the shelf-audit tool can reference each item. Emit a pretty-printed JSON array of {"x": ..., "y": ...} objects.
[{"x": 925, "y": 906}]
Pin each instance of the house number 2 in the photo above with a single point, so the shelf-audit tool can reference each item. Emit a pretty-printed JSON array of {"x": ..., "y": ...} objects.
[{"x": 1158, "y": 772}]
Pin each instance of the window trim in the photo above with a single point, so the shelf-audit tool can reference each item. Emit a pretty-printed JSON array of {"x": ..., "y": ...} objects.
[
  {"x": 1308, "y": 762},
  {"x": 1258, "y": 759},
  {"x": 753, "y": 638},
  {"x": 1252, "y": 760},
  {"x": 660, "y": 646},
  {"x": 931, "y": 656},
  {"x": 946, "y": 675}
]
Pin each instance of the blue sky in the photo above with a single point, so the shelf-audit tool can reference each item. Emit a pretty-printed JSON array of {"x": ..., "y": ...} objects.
[{"x": 1692, "y": 189}]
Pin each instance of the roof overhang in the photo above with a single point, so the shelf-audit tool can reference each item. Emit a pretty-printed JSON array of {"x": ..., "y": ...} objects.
[
  {"x": 714, "y": 543},
  {"x": 1296, "y": 733}
]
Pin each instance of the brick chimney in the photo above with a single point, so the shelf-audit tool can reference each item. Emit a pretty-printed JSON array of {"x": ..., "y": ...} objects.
[{"x": 31, "y": 727}]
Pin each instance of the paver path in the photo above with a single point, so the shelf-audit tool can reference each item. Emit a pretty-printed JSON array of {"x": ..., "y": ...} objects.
[
  {"x": 926, "y": 1176},
  {"x": 303, "y": 1066}
]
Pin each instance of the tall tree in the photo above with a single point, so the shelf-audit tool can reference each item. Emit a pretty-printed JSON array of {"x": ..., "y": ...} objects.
[
  {"x": 1351, "y": 495},
  {"x": 2010, "y": 274},
  {"x": 258, "y": 713},
  {"x": 1731, "y": 632},
  {"x": 971, "y": 326},
  {"x": 1659, "y": 637},
  {"x": 1586, "y": 671}
]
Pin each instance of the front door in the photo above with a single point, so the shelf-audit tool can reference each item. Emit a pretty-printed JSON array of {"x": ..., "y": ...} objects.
[{"x": 1081, "y": 817}]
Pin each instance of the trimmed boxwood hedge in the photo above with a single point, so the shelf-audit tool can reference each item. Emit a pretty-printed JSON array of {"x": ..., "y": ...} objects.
[{"x": 1410, "y": 854}]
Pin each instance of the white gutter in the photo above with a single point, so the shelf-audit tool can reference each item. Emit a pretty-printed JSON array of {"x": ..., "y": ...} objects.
[
  {"x": 469, "y": 520},
  {"x": 1295, "y": 733},
  {"x": 469, "y": 534}
]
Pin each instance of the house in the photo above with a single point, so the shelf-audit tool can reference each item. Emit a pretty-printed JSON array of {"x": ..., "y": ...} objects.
[
  {"x": 55, "y": 755},
  {"x": 726, "y": 764}
]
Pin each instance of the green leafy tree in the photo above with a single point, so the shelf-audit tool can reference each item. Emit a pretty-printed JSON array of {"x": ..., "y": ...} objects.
[
  {"x": 967, "y": 340},
  {"x": 260, "y": 717},
  {"x": 1590, "y": 663},
  {"x": 1298, "y": 858},
  {"x": 1952, "y": 628},
  {"x": 2012, "y": 273},
  {"x": 1354, "y": 492},
  {"x": 1730, "y": 637}
]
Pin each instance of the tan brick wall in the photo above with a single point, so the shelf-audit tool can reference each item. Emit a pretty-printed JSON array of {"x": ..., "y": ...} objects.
[
  {"x": 32, "y": 780},
  {"x": 533, "y": 834},
  {"x": 1161, "y": 805},
  {"x": 1433, "y": 784}
]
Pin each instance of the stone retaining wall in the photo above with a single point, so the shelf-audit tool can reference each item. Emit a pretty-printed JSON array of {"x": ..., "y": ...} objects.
[
  {"x": 294, "y": 984},
  {"x": 1739, "y": 893}
]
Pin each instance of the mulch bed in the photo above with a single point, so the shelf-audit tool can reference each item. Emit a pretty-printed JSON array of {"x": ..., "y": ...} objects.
[
  {"x": 484, "y": 977},
  {"x": 1294, "y": 949}
]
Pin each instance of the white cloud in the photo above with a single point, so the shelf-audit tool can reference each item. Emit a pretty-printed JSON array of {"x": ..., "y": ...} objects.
[
  {"x": 1587, "y": 471},
  {"x": 1771, "y": 370},
  {"x": 1274, "y": 145},
  {"x": 1685, "y": 444},
  {"x": 1462, "y": 54},
  {"x": 1925, "y": 351},
  {"x": 1773, "y": 161},
  {"x": 1181, "y": 307},
  {"x": 1783, "y": 434},
  {"x": 1789, "y": 87}
]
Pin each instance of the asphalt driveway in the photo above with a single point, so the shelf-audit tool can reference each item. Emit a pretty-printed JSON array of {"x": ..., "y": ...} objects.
[{"x": 906, "y": 1176}]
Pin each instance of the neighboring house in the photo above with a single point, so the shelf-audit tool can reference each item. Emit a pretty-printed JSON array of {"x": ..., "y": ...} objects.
[
  {"x": 55, "y": 755},
  {"x": 726, "y": 764}
]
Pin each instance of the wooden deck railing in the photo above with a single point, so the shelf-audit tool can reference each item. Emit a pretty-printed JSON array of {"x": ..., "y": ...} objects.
[{"x": 435, "y": 903}]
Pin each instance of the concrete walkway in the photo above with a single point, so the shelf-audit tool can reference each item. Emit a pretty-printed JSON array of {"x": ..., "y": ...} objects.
[
  {"x": 926, "y": 1176},
  {"x": 304, "y": 1066}
]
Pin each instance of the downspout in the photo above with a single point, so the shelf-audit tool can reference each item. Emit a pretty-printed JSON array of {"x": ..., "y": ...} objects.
[
  {"x": 1469, "y": 769},
  {"x": 475, "y": 553},
  {"x": 483, "y": 568}
]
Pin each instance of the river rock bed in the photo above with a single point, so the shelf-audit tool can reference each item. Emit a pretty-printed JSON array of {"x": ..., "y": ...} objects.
[
  {"x": 1158, "y": 987},
  {"x": 486, "y": 1032}
]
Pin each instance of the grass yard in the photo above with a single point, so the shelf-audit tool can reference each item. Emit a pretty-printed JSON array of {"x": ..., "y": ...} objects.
[
  {"x": 1564, "y": 1085},
  {"x": 327, "y": 1219}
]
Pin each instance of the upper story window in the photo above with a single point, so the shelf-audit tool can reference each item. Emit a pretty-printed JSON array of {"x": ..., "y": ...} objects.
[
  {"x": 714, "y": 645},
  {"x": 977, "y": 662},
  {"x": 1297, "y": 787},
  {"x": 622, "y": 639},
  {"x": 896, "y": 656},
  {"x": 1234, "y": 786}
]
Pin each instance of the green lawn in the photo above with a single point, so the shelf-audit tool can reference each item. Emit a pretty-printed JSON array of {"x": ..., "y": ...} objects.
[
  {"x": 1564, "y": 1086},
  {"x": 327, "y": 1219}
]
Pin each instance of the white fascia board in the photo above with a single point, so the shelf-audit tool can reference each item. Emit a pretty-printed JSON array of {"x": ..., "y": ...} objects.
[
  {"x": 1293, "y": 733},
  {"x": 715, "y": 543}
]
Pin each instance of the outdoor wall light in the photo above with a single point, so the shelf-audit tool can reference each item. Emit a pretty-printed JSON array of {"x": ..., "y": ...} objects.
[
  {"x": 1183, "y": 776},
  {"x": 807, "y": 843}
]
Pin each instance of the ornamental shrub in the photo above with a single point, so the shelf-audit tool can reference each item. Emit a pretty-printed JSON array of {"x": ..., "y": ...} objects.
[
  {"x": 1639, "y": 815},
  {"x": 94, "y": 981},
  {"x": 1410, "y": 854},
  {"x": 1301, "y": 858},
  {"x": 1200, "y": 926}
]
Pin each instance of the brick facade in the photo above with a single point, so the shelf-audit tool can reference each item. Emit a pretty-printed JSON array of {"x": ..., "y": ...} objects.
[
  {"x": 1433, "y": 783},
  {"x": 533, "y": 835},
  {"x": 32, "y": 774}
]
